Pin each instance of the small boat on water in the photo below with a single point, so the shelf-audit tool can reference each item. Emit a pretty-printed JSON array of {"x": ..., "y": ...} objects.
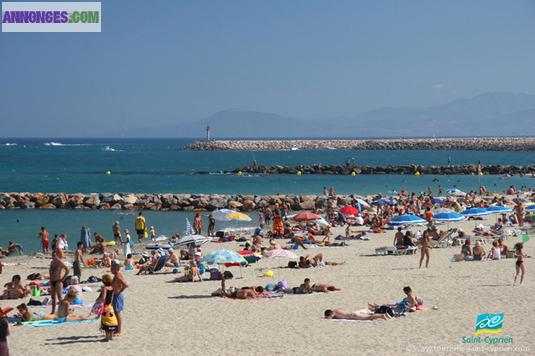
[
  {"x": 108, "y": 149},
  {"x": 294, "y": 148}
]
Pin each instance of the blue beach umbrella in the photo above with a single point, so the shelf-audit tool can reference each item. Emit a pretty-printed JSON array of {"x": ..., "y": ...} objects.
[
  {"x": 449, "y": 216},
  {"x": 476, "y": 212},
  {"x": 383, "y": 201},
  {"x": 499, "y": 209},
  {"x": 219, "y": 257},
  {"x": 437, "y": 201},
  {"x": 455, "y": 191},
  {"x": 407, "y": 220},
  {"x": 530, "y": 209}
]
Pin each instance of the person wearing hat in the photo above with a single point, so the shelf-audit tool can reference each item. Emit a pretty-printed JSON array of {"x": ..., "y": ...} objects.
[{"x": 4, "y": 331}]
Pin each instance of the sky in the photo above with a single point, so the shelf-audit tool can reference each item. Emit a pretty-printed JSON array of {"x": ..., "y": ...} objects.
[{"x": 158, "y": 62}]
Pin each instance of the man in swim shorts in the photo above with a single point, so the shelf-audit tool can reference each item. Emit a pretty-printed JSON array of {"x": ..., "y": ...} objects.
[{"x": 119, "y": 285}]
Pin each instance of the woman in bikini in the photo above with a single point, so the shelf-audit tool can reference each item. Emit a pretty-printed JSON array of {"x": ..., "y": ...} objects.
[
  {"x": 425, "y": 249},
  {"x": 520, "y": 269}
]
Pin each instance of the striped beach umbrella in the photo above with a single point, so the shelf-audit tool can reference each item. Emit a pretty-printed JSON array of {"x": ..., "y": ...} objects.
[
  {"x": 407, "y": 219},
  {"x": 230, "y": 215},
  {"x": 476, "y": 212},
  {"x": 499, "y": 209}
]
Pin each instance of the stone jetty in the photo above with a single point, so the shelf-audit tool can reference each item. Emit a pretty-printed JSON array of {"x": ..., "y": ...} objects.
[
  {"x": 166, "y": 202},
  {"x": 478, "y": 144},
  {"x": 403, "y": 169}
]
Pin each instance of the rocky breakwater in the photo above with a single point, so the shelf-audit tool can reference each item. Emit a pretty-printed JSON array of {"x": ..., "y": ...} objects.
[
  {"x": 165, "y": 202},
  {"x": 478, "y": 143},
  {"x": 403, "y": 169}
]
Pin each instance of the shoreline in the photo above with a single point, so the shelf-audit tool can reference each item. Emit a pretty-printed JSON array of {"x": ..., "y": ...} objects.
[{"x": 469, "y": 144}]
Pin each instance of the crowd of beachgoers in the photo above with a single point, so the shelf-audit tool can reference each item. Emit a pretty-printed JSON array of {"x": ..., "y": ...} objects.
[{"x": 421, "y": 221}]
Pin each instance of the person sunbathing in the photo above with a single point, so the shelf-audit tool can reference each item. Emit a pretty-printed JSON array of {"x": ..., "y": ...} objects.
[
  {"x": 316, "y": 261},
  {"x": 14, "y": 289},
  {"x": 26, "y": 315},
  {"x": 65, "y": 312},
  {"x": 306, "y": 287},
  {"x": 344, "y": 314},
  {"x": 243, "y": 293},
  {"x": 144, "y": 269},
  {"x": 409, "y": 303}
]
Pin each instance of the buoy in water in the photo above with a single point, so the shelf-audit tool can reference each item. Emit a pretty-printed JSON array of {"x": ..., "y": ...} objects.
[
  {"x": 108, "y": 173},
  {"x": 417, "y": 174},
  {"x": 298, "y": 173},
  {"x": 239, "y": 174},
  {"x": 353, "y": 173}
]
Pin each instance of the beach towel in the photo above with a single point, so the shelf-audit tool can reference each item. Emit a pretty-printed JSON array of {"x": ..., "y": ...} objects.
[{"x": 42, "y": 323}]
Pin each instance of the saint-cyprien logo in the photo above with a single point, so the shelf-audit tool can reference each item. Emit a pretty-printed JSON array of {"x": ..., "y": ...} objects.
[{"x": 489, "y": 324}]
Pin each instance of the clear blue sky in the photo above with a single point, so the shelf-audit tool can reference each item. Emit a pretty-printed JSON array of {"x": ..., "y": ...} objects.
[{"x": 162, "y": 62}]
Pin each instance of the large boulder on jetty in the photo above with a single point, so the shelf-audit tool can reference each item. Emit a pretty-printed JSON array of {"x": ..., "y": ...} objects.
[
  {"x": 47, "y": 206},
  {"x": 92, "y": 200},
  {"x": 233, "y": 204},
  {"x": 129, "y": 199},
  {"x": 116, "y": 206},
  {"x": 307, "y": 205},
  {"x": 106, "y": 198},
  {"x": 40, "y": 198},
  {"x": 248, "y": 205},
  {"x": 117, "y": 198}
]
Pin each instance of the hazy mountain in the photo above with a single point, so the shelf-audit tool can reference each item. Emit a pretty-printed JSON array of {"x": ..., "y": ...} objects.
[{"x": 483, "y": 115}]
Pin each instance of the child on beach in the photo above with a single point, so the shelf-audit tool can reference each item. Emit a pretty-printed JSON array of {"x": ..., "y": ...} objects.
[
  {"x": 108, "y": 318},
  {"x": 520, "y": 269}
]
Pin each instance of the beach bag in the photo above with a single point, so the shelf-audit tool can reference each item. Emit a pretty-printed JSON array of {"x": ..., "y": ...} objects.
[
  {"x": 282, "y": 285},
  {"x": 108, "y": 317},
  {"x": 145, "y": 234}
]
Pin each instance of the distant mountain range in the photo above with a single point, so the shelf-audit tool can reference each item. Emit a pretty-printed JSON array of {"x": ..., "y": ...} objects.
[{"x": 488, "y": 114}]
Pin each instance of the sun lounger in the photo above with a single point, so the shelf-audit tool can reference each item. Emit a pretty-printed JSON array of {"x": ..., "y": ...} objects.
[{"x": 392, "y": 250}]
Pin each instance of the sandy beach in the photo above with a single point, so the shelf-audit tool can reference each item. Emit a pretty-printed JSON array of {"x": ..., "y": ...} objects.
[{"x": 182, "y": 317}]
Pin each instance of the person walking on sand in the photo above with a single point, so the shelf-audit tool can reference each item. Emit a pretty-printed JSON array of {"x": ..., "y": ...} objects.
[
  {"x": 78, "y": 261},
  {"x": 119, "y": 285},
  {"x": 197, "y": 224},
  {"x": 519, "y": 266},
  {"x": 425, "y": 249},
  {"x": 43, "y": 235},
  {"x": 141, "y": 226},
  {"x": 58, "y": 272},
  {"x": 126, "y": 243}
]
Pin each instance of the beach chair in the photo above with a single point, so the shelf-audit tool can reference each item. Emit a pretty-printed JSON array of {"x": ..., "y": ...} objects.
[
  {"x": 159, "y": 265},
  {"x": 392, "y": 250},
  {"x": 445, "y": 240}
]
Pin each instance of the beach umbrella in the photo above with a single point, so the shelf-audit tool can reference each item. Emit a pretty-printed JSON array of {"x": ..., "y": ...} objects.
[
  {"x": 383, "y": 201},
  {"x": 363, "y": 203},
  {"x": 323, "y": 222},
  {"x": 530, "y": 209},
  {"x": 392, "y": 192},
  {"x": 349, "y": 210},
  {"x": 455, "y": 192},
  {"x": 450, "y": 216},
  {"x": 437, "y": 201},
  {"x": 499, "y": 209},
  {"x": 219, "y": 257},
  {"x": 407, "y": 219},
  {"x": 197, "y": 240},
  {"x": 476, "y": 212},
  {"x": 280, "y": 253},
  {"x": 230, "y": 215},
  {"x": 305, "y": 215}
]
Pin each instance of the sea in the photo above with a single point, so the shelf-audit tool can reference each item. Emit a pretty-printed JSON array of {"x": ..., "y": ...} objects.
[{"x": 160, "y": 166}]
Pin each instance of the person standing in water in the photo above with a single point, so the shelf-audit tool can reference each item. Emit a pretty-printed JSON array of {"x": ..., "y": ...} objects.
[
  {"x": 85, "y": 238},
  {"x": 211, "y": 225},
  {"x": 116, "y": 228},
  {"x": 197, "y": 224},
  {"x": 43, "y": 235},
  {"x": 126, "y": 242},
  {"x": 141, "y": 226}
]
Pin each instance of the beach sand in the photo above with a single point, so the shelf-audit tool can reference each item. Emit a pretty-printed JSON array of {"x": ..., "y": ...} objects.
[{"x": 183, "y": 319}]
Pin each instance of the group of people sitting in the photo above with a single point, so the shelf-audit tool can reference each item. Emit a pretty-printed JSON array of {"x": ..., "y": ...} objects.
[{"x": 498, "y": 251}]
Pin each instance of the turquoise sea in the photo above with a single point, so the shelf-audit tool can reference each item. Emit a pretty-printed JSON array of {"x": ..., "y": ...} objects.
[{"x": 157, "y": 165}]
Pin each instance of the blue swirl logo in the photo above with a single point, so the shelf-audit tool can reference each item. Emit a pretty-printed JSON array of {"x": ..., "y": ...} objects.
[{"x": 489, "y": 323}]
